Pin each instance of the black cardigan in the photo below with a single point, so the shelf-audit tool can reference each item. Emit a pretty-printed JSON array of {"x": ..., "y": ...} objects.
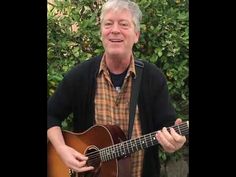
[{"x": 76, "y": 93}]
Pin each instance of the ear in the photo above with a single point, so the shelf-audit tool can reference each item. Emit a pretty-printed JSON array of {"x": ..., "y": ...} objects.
[
  {"x": 100, "y": 34},
  {"x": 137, "y": 34}
]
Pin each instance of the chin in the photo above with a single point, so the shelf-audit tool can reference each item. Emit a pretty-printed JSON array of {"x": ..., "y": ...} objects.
[{"x": 115, "y": 53}]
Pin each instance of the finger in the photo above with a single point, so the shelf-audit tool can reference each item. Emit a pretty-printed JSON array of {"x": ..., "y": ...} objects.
[
  {"x": 81, "y": 167},
  {"x": 168, "y": 136},
  {"x": 80, "y": 156},
  {"x": 177, "y": 137},
  {"x": 178, "y": 121},
  {"x": 164, "y": 142},
  {"x": 81, "y": 164},
  {"x": 84, "y": 169}
]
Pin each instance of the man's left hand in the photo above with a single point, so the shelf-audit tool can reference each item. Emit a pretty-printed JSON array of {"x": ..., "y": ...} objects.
[{"x": 170, "y": 141}]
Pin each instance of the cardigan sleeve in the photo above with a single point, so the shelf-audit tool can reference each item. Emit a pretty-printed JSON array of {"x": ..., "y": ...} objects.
[
  {"x": 164, "y": 111},
  {"x": 60, "y": 103},
  {"x": 156, "y": 109}
]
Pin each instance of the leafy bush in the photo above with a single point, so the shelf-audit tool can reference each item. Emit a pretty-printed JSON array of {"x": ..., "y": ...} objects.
[
  {"x": 73, "y": 36},
  {"x": 164, "y": 41}
]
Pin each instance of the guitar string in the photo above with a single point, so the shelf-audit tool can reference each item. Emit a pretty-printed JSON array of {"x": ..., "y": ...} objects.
[
  {"x": 125, "y": 145},
  {"x": 94, "y": 157},
  {"x": 121, "y": 145},
  {"x": 183, "y": 131}
]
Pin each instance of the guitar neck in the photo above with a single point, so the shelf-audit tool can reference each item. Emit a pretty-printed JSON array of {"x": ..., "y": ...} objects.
[{"x": 130, "y": 146}]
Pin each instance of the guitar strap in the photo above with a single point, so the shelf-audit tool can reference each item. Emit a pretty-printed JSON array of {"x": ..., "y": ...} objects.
[{"x": 139, "y": 65}]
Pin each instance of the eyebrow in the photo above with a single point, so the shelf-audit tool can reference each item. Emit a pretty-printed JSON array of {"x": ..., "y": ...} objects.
[{"x": 118, "y": 20}]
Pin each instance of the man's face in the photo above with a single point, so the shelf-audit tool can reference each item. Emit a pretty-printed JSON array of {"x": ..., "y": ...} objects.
[{"x": 118, "y": 33}]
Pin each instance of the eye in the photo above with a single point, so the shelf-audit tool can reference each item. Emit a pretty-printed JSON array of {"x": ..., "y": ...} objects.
[
  {"x": 107, "y": 24},
  {"x": 124, "y": 24}
]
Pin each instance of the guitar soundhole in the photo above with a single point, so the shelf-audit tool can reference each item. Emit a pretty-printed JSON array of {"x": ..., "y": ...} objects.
[
  {"x": 93, "y": 160},
  {"x": 93, "y": 157}
]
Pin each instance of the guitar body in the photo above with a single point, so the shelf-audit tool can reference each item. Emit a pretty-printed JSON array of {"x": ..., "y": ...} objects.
[{"x": 95, "y": 138}]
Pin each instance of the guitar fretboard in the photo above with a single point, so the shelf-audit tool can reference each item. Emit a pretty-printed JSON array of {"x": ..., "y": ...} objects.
[{"x": 130, "y": 146}]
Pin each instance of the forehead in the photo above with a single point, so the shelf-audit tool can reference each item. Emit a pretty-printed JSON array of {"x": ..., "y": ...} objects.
[{"x": 118, "y": 14}]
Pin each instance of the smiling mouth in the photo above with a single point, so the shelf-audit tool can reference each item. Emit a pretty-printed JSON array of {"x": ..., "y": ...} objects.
[{"x": 116, "y": 40}]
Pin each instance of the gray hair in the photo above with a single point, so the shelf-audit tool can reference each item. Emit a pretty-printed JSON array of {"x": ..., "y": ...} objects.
[{"x": 124, "y": 4}]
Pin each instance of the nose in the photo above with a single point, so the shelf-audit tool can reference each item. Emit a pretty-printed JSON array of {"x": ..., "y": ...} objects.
[{"x": 115, "y": 28}]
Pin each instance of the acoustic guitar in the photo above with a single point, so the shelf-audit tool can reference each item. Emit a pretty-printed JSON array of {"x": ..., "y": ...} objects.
[{"x": 106, "y": 148}]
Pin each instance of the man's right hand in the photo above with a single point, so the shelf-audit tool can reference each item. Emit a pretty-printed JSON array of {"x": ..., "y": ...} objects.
[{"x": 73, "y": 159}]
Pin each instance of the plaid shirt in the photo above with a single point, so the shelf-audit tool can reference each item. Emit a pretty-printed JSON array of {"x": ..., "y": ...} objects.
[{"x": 112, "y": 107}]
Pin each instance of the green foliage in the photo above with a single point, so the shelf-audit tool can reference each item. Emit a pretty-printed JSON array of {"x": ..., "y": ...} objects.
[
  {"x": 164, "y": 41},
  {"x": 66, "y": 45}
]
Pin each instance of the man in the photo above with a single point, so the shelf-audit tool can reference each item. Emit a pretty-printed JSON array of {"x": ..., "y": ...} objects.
[{"x": 98, "y": 91}]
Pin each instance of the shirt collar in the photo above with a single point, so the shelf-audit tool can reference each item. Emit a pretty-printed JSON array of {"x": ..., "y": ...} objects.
[{"x": 131, "y": 70}]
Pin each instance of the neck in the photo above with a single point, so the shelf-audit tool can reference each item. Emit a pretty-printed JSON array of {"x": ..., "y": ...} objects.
[{"x": 117, "y": 65}]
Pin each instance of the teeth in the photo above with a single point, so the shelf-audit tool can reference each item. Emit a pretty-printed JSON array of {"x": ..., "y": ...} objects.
[{"x": 115, "y": 40}]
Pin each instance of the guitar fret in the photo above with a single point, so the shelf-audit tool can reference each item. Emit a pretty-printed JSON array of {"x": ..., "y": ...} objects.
[
  {"x": 154, "y": 139},
  {"x": 101, "y": 155},
  {"x": 118, "y": 150},
  {"x": 179, "y": 130},
  {"x": 106, "y": 154},
  {"x": 141, "y": 143},
  {"x": 145, "y": 141},
  {"x": 132, "y": 145},
  {"x": 123, "y": 149},
  {"x": 127, "y": 147},
  {"x": 111, "y": 152},
  {"x": 136, "y": 145},
  {"x": 114, "y": 152},
  {"x": 151, "y": 138}
]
